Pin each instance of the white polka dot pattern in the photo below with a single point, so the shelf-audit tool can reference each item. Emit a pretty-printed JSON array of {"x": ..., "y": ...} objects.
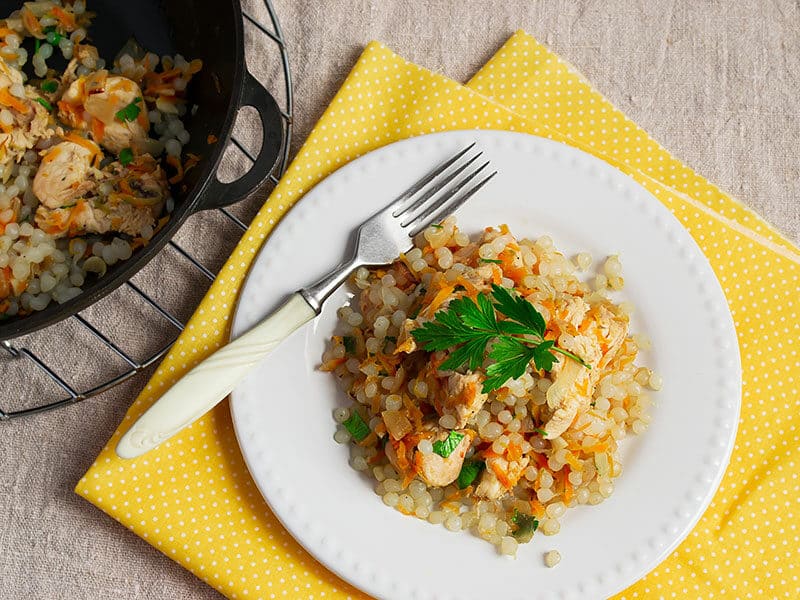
[{"x": 193, "y": 499}]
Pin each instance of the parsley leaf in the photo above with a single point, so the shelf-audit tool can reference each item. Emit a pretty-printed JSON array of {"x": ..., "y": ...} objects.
[
  {"x": 126, "y": 156},
  {"x": 526, "y": 526},
  {"x": 467, "y": 327},
  {"x": 517, "y": 309},
  {"x": 444, "y": 448},
  {"x": 130, "y": 112},
  {"x": 349, "y": 344},
  {"x": 49, "y": 86},
  {"x": 356, "y": 426},
  {"x": 469, "y": 473}
]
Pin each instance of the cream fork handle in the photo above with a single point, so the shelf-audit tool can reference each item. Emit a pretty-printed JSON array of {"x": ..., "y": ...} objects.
[{"x": 208, "y": 383}]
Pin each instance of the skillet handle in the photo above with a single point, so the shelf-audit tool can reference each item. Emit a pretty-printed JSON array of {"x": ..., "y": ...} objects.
[{"x": 217, "y": 194}]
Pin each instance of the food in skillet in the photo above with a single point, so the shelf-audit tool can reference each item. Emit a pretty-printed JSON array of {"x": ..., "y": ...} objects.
[
  {"x": 490, "y": 386},
  {"x": 87, "y": 155}
]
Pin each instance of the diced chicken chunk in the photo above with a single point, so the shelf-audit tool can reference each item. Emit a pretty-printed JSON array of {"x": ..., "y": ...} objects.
[
  {"x": 603, "y": 333},
  {"x": 63, "y": 175},
  {"x": 500, "y": 476},
  {"x": 111, "y": 108},
  {"x": 435, "y": 470},
  {"x": 23, "y": 121},
  {"x": 464, "y": 397},
  {"x": 136, "y": 197}
]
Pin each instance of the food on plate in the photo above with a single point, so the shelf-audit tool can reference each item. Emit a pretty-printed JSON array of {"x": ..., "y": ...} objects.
[
  {"x": 490, "y": 387},
  {"x": 87, "y": 153}
]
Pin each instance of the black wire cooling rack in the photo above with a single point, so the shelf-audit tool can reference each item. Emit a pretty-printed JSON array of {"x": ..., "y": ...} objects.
[{"x": 133, "y": 312}]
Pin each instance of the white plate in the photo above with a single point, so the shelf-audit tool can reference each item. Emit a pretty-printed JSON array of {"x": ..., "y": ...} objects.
[{"x": 282, "y": 412}]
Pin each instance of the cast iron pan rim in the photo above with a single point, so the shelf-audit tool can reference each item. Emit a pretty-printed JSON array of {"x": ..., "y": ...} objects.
[{"x": 58, "y": 312}]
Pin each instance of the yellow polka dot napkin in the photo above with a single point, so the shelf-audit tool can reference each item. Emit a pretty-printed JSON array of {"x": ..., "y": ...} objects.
[{"x": 193, "y": 499}]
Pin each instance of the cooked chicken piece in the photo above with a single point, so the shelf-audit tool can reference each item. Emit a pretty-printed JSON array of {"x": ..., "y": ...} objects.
[
  {"x": 570, "y": 313},
  {"x": 439, "y": 471},
  {"x": 500, "y": 477},
  {"x": 435, "y": 470},
  {"x": 463, "y": 399},
  {"x": 603, "y": 332},
  {"x": 94, "y": 102},
  {"x": 63, "y": 175},
  {"x": 92, "y": 216},
  {"x": 136, "y": 198},
  {"x": 29, "y": 121}
]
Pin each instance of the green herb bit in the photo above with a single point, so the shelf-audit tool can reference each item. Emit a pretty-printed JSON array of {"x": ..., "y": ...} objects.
[
  {"x": 436, "y": 226},
  {"x": 126, "y": 156},
  {"x": 356, "y": 426},
  {"x": 541, "y": 431},
  {"x": 526, "y": 526},
  {"x": 130, "y": 112},
  {"x": 466, "y": 327},
  {"x": 495, "y": 261},
  {"x": 49, "y": 86},
  {"x": 36, "y": 45},
  {"x": 45, "y": 103},
  {"x": 349, "y": 344},
  {"x": 469, "y": 473},
  {"x": 444, "y": 448}
]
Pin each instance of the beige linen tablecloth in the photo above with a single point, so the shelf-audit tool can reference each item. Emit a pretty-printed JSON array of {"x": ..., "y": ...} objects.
[{"x": 716, "y": 83}]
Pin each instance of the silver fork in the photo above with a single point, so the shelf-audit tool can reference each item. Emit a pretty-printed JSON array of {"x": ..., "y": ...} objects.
[{"x": 378, "y": 240}]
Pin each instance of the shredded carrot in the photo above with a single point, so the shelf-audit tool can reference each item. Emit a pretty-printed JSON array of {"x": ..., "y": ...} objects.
[
  {"x": 470, "y": 288},
  {"x": 191, "y": 161},
  {"x": 31, "y": 22},
  {"x": 375, "y": 404},
  {"x": 514, "y": 452},
  {"x": 541, "y": 460},
  {"x": 370, "y": 440},
  {"x": 98, "y": 129},
  {"x": 7, "y": 99},
  {"x": 402, "y": 458},
  {"x": 6, "y": 128},
  {"x": 175, "y": 162},
  {"x": 537, "y": 508},
  {"x": 601, "y": 447},
  {"x": 413, "y": 411},
  {"x": 4, "y": 31},
  {"x": 515, "y": 274},
  {"x": 439, "y": 299},
  {"x": 502, "y": 475},
  {"x": 211, "y": 139},
  {"x": 66, "y": 19},
  {"x": 331, "y": 364}
]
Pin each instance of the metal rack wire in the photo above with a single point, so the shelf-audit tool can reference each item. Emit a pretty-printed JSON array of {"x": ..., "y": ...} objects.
[{"x": 69, "y": 392}]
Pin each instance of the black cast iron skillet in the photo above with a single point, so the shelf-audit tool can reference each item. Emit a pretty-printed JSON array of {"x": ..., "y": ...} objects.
[{"x": 211, "y": 30}]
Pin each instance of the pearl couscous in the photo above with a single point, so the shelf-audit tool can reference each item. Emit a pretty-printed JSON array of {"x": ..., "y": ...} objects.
[{"x": 529, "y": 423}]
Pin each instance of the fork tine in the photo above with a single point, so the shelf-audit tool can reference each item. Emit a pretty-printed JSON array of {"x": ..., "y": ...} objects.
[
  {"x": 434, "y": 189},
  {"x": 406, "y": 195},
  {"x": 452, "y": 205},
  {"x": 431, "y": 207}
]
